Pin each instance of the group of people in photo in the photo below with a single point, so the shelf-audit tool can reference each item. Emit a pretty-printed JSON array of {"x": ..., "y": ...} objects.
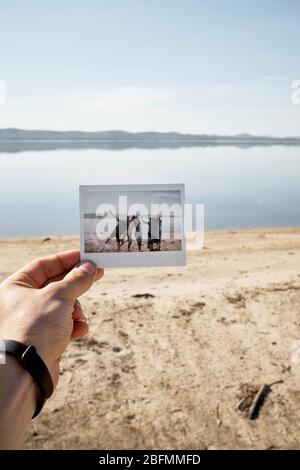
[{"x": 130, "y": 229}]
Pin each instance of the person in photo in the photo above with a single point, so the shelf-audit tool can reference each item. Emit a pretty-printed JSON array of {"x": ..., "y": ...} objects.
[
  {"x": 154, "y": 233},
  {"x": 135, "y": 229},
  {"x": 120, "y": 230}
]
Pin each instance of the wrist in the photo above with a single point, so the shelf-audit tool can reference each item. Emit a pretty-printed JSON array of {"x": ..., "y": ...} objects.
[
  {"x": 42, "y": 350},
  {"x": 31, "y": 361}
]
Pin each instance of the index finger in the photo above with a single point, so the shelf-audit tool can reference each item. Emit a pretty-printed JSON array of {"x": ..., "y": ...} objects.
[{"x": 41, "y": 270}]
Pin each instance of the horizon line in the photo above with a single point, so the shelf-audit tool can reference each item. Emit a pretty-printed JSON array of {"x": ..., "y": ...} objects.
[{"x": 243, "y": 135}]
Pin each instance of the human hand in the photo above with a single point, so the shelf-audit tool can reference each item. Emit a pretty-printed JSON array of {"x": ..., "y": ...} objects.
[{"x": 39, "y": 306}]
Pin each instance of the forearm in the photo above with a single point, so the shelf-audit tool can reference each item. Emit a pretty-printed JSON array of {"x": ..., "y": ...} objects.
[
  {"x": 18, "y": 397},
  {"x": 38, "y": 307}
]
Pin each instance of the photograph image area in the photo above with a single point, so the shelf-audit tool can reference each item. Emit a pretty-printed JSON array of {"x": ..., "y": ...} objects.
[{"x": 132, "y": 220}]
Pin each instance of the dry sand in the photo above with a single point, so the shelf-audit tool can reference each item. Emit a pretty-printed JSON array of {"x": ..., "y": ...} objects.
[
  {"x": 112, "y": 246},
  {"x": 170, "y": 350}
]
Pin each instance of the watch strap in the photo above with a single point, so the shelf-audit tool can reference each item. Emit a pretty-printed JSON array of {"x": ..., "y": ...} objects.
[{"x": 33, "y": 363}]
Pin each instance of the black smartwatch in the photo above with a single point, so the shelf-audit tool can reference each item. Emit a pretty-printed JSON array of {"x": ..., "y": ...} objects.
[{"x": 32, "y": 362}]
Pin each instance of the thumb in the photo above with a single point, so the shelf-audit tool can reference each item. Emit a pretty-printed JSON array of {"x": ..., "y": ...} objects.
[{"x": 78, "y": 280}]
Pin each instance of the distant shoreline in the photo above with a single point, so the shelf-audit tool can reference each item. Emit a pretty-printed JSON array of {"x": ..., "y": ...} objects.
[{"x": 18, "y": 140}]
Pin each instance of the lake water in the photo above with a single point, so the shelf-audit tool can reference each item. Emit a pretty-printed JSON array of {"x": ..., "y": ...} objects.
[{"x": 241, "y": 188}]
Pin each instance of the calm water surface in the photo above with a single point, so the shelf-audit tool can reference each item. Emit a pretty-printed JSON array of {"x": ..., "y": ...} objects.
[{"x": 241, "y": 188}]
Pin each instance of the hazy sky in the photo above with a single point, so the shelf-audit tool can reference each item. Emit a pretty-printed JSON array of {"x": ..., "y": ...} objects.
[
  {"x": 93, "y": 199},
  {"x": 186, "y": 65}
]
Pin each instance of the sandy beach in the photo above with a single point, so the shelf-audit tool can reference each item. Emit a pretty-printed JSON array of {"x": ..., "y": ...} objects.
[
  {"x": 112, "y": 246},
  {"x": 174, "y": 354}
]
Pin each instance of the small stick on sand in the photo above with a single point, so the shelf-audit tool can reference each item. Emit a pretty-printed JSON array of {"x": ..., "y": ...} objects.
[
  {"x": 218, "y": 420},
  {"x": 275, "y": 383},
  {"x": 257, "y": 400}
]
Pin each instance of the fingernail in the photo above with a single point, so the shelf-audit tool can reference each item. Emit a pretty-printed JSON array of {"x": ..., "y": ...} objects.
[{"x": 88, "y": 267}]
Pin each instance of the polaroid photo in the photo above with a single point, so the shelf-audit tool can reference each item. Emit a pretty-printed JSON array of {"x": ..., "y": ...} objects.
[{"x": 132, "y": 225}]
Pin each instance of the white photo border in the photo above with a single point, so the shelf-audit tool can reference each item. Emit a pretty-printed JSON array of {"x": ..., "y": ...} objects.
[{"x": 133, "y": 259}]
